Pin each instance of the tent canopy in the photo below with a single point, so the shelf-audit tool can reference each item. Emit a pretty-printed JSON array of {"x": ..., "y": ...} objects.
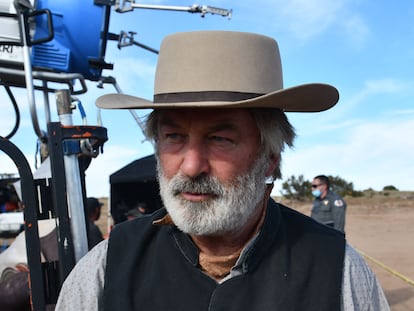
[
  {"x": 134, "y": 183},
  {"x": 143, "y": 170}
]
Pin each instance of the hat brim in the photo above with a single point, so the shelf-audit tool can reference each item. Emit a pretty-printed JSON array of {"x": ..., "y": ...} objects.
[{"x": 313, "y": 97}]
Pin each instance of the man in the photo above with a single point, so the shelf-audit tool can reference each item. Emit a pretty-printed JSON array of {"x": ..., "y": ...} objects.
[
  {"x": 93, "y": 209},
  {"x": 328, "y": 207},
  {"x": 139, "y": 210},
  {"x": 221, "y": 243}
]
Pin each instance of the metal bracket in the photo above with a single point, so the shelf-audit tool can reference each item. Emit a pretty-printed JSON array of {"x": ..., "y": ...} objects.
[{"x": 122, "y": 6}]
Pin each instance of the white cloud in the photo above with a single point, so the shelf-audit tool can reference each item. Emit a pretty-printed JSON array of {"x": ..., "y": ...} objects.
[
  {"x": 386, "y": 85},
  {"x": 355, "y": 29},
  {"x": 346, "y": 114},
  {"x": 310, "y": 18},
  {"x": 373, "y": 154},
  {"x": 100, "y": 169},
  {"x": 372, "y": 88},
  {"x": 7, "y": 165},
  {"x": 307, "y": 19},
  {"x": 135, "y": 76},
  {"x": 114, "y": 158}
]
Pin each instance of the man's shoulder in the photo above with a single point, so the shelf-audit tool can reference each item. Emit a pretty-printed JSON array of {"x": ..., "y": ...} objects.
[
  {"x": 336, "y": 199},
  {"x": 302, "y": 222},
  {"x": 309, "y": 236},
  {"x": 142, "y": 228}
]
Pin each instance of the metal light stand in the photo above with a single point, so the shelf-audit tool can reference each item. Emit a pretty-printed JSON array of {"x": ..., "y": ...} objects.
[
  {"x": 62, "y": 196},
  {"x": 64, "y": 147},
  {"x": 38, "y": 294},
  {"x": 73, "y": 179}
]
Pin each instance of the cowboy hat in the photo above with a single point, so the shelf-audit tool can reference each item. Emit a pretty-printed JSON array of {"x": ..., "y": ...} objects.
[{"x": 223, "y": 69}]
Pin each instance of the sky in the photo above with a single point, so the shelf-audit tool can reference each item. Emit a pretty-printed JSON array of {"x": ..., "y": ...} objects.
[{"x": 364, "y": 48}]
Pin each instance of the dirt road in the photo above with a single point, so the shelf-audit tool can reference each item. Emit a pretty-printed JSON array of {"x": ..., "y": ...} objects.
[
  {"x": 387, "y": 238},
  {"x": 382, "y": 228}
]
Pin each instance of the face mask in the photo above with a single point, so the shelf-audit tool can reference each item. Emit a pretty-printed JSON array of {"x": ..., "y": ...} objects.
[{"x": 316, "y": 193}]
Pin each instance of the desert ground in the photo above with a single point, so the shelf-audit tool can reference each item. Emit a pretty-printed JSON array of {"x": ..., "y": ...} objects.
[{"x": 381, "y": 227}]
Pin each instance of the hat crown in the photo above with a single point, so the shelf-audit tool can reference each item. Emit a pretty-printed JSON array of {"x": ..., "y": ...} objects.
[
  {"x": 223, "y": 69},
  {"x": 218, "y": 61}
]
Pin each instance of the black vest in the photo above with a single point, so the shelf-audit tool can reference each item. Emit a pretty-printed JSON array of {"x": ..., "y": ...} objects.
[{"x": 294, "y": 264}]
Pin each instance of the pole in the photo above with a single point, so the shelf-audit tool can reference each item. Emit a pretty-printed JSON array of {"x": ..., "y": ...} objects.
[{"x": 73, "y": 181}]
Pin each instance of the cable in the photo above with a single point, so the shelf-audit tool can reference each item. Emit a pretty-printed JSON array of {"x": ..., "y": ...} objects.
[
  {"x": 385, "y": 267},
  {"x": 16, "y": 109},
  {"x": 82, "y": 112}
]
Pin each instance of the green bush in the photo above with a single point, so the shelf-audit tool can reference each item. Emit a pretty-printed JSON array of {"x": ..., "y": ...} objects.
[
  {"x": 297, "y": 188},
  {"x": 389, "y": 188}
]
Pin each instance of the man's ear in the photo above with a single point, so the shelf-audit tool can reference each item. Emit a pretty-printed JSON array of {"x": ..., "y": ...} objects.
[{"x": 274, "y": 162}]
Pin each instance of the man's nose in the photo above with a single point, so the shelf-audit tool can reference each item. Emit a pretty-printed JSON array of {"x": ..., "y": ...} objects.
[{"x": 195, "y": 161}]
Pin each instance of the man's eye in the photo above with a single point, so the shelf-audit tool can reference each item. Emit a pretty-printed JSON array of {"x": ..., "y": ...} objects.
[
  {"x": 221, "y": 140},
  {"x": 173, "y": 137}
]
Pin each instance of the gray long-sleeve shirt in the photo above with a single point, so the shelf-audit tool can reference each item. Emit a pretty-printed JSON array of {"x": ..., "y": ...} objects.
[{"x": 83, "y": 289}]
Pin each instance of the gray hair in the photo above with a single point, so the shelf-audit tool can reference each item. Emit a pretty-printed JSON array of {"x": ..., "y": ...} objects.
[{"x": 274, "y": 126}]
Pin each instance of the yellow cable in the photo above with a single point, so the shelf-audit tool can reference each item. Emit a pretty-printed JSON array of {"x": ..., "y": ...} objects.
[{"x": 385, "y": 267}]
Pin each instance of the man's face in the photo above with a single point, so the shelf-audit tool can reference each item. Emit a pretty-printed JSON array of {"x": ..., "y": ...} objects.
[
  {"x": 211, "y": 171},
  {"x": 318, "y": 184}
]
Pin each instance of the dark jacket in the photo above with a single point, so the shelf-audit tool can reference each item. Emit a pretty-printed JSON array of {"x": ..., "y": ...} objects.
[
  {"x": 294, "y": 264},
  {"x": 330, "y": 211}
]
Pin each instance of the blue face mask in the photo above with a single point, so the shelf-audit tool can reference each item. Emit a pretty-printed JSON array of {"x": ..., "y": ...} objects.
[{"x": 316, "y": 193}]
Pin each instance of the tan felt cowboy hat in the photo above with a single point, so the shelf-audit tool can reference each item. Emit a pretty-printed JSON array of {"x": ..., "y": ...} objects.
[{"x": 223, "y": 69}]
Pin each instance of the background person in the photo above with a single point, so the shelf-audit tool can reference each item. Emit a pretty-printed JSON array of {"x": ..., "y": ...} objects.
[
  {"x": 219, "y": 128},
  {"x": 9, "y": 201},
  {"x": 140, "y": 210},
  {"x": 328, "y": 207},
  {"x": 93, "y": 209}
]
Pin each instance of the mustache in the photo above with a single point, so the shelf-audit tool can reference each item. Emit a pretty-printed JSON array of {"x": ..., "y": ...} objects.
[{"x": 199, "y": 185}]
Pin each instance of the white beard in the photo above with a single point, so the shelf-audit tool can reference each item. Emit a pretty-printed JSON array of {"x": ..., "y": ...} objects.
[{"x": 230, "y": 208}]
